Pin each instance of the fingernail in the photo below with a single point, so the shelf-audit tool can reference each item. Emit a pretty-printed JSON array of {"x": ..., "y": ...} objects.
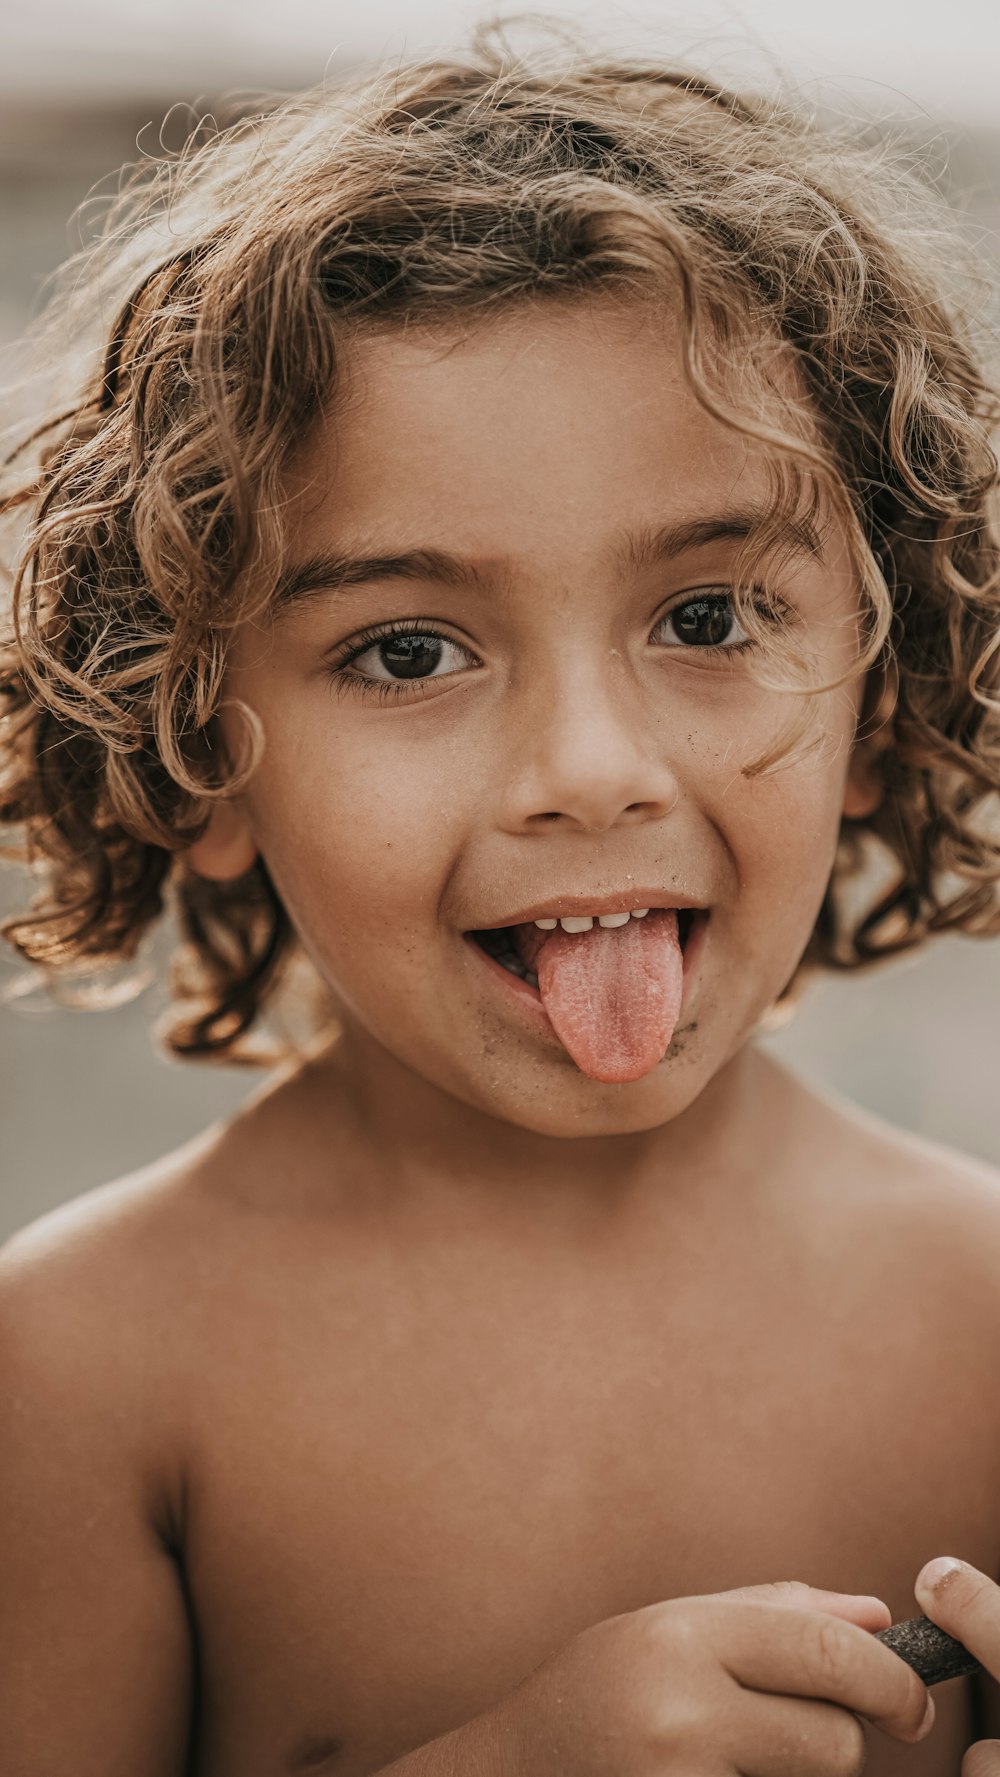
[
  {"x": 928, "y": 1721},
  {"x": 936, "y": 1574}
]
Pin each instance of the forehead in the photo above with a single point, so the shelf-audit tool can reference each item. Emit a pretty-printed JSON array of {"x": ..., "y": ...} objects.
[{"x": 537, "y": 433}]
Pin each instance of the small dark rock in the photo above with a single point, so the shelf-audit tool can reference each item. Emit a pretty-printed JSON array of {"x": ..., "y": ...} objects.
[{"x": 933, "y": 1655}]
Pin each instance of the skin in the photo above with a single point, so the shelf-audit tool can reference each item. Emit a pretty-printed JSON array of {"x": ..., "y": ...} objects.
[
  {"x": 966, "y": 1603},
  {"x": 560, "y": 751},
  {"x": 440, "y": 1353}
]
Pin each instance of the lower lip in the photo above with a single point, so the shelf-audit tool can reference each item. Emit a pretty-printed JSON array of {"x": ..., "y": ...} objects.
[{"x": 529, "y": 1000}]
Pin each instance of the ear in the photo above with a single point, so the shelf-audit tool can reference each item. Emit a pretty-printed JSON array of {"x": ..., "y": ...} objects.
[
  {"x": 227, "y": 847},
  {"x": 863, "y": 788}
]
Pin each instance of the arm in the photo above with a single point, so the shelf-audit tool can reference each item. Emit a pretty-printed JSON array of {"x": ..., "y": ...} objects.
[
  {"x": 490, "y": 1745},
  {"x": 95, "y": 1651}
]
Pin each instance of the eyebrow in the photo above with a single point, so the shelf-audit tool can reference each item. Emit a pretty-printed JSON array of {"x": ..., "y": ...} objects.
[
  {"x": 636, "y": 553},
  {"x": 334, "y": 572},
  {"x": 647, "y": 548}
]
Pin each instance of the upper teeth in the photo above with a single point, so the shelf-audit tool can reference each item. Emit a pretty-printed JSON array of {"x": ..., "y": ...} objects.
[{"x": 582, "y": 922}]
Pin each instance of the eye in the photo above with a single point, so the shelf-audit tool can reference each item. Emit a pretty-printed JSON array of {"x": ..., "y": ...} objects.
[
  {"x": 407, "y": 654},
  {"x": 706, "y": 621}
]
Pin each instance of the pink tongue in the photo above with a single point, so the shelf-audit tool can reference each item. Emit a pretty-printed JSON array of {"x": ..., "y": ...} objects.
[{"x": 613, "y": 994}]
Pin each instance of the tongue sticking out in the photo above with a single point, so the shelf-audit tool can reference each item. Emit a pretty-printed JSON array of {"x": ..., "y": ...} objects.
[{"x": 613, "y": 994}]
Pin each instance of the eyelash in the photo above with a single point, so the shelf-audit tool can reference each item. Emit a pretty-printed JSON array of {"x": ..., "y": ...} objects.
[
  {"x": 389, "y": 690},
  {"x": 384, "y": 690}
]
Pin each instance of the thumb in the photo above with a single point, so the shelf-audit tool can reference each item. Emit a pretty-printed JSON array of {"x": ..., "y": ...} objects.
[
  {"x": 964, "y": 1603},
  {"x": 982, "y": 1760},
  {"x": 860, "y": 1608}
]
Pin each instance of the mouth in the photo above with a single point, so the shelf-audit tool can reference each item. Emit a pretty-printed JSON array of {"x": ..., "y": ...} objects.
[{"x": 501, "y": 943}]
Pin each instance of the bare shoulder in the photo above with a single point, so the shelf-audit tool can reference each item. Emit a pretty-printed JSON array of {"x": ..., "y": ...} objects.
[
  {"x": 873, "y": 1160},
  {"x": 92, "y": 1315},
  {"x": 943, "y": 1208},
  {"x": 921, "y": 1177},
  {"x": 100, "y": 1357},
  {"x": 112, "y": 1284},
  {"x": 104, "y": 1251},
  {"x": 909, "y": 1208},
  {"x": 140, "y": 1262},
  {"x": 142, "y": 1232}
]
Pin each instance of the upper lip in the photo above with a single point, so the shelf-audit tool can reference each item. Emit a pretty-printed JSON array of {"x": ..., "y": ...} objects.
[{"x": 575, "y": 906}]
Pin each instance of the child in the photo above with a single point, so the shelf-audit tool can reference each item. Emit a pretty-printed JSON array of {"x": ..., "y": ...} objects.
[{"x": 524, "y": 556}]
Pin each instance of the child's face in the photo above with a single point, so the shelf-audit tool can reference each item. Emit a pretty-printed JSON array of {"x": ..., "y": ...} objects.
[{"x": 561, "y": 742}]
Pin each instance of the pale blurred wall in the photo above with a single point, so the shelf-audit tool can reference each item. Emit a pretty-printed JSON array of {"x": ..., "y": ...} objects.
[{"x": 83, "y": 1097}]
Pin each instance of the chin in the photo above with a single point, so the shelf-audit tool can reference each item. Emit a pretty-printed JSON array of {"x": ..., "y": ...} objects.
[{"x": 562, "y": 1103}]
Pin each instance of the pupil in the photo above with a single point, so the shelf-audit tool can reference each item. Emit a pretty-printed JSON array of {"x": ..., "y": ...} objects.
[
  {"x": 705, "y": 622},
  {"x": 410, "y": 657}
]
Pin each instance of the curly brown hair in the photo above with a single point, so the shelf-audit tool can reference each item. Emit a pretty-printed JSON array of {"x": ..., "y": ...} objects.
[{"x": 148, "y": 507}]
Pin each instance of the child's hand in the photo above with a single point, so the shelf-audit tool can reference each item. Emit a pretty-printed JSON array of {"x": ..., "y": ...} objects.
[
  {"x": 966, "y": 1604},
  {"x": 768, "y": 1679}
]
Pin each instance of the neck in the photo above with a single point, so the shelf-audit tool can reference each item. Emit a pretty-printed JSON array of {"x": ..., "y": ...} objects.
[{"x": 419, "y": 1145}]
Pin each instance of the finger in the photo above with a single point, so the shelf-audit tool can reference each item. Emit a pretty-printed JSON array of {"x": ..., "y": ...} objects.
[
  {"x": 786, "y": 1737},
  {"x": 811, "y": 1653},
  {"x": 965, "y": 1603},
  {"x": 982, "y": 1760},
  {"x": 868, "y": 1613},
  {"x": 857, "y": 1607}
]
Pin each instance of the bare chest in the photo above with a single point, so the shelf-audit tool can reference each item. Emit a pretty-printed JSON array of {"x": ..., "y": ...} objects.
[{"x": 402, "y": 1506}]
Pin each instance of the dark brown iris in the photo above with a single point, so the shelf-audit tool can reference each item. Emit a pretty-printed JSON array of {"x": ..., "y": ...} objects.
[
  {"x": 704, "y": 622},
  {"x": 410, "y": 656}
]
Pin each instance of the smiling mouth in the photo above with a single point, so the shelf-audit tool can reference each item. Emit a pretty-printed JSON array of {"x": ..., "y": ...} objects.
[{"x": 499, "y": 942}]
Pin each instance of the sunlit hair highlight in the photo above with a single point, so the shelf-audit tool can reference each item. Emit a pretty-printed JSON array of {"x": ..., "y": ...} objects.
[{"x": 146, "y": 513}]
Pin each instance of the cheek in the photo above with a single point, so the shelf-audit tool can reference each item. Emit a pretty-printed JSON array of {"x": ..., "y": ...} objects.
[
  {"x": 780, "y": 824},
  {"x": 783, "y": 829},
  {"x": 359, "y": 838}
]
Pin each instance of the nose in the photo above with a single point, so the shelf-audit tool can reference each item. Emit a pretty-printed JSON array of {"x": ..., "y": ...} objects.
[{"x": 588, "y": 751}]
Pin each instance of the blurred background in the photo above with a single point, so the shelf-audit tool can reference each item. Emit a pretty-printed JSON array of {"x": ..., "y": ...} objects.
[{"x": 85, "y": 86}]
